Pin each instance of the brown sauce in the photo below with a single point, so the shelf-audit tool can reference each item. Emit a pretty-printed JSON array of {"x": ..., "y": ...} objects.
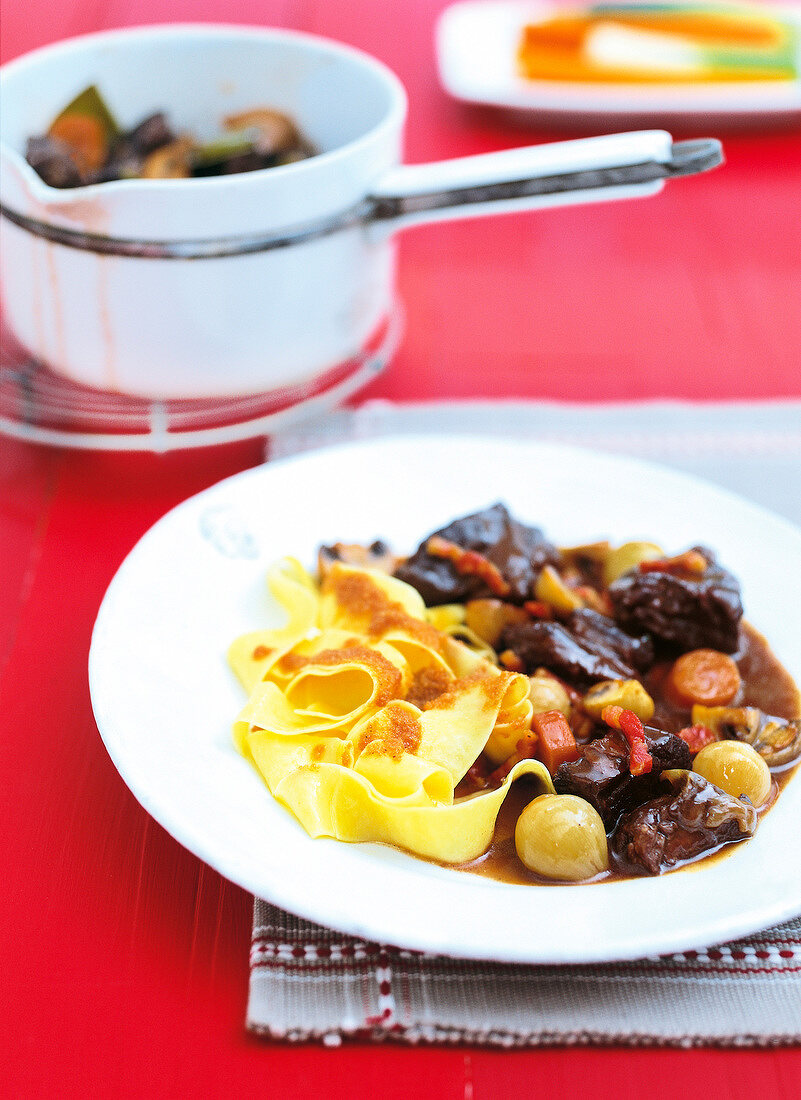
[{"x": 766, "y": 684}]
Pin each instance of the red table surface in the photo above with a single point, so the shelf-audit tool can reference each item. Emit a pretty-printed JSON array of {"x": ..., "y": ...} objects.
[{"x": 124, "y": 958}]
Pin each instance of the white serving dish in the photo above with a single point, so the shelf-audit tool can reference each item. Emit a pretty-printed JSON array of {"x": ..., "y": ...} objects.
[
  {"x": 247, "y": 283},
  {"x": 477, "y": 42},
  {"x": 165, "y": 699}
]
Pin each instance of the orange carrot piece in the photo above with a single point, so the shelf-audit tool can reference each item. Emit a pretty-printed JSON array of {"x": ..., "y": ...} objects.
[
  {"x": 704, "y": 676},
  {"x": 510, "y": 661},
  {"x": 561, "y": 33},
  {"x": 85, "y": 139},
  {"x": 707, "y": 27},
  {"x": 556, "y": 743}
]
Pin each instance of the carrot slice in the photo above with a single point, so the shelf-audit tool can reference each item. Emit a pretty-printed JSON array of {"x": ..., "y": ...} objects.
[
  {"x": 85, "y": 138},
  {"x": 555, "y": 740},
  {"x": 704, "y": 676}
]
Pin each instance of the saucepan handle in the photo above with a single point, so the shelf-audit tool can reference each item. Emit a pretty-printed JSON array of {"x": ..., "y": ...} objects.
[{"x": 598, "y": 169}]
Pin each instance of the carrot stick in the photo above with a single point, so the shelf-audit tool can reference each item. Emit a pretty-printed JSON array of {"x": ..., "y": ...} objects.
[{"x": 556, "y": 742}]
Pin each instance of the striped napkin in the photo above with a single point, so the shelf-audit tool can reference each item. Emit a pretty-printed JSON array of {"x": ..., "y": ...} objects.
[
  {"x": 309, "y": 983},
  {"x": 312, "y": 983}
]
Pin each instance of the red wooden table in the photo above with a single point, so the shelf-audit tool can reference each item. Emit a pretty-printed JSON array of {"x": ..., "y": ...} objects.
[{"x": 124, "y": 959}]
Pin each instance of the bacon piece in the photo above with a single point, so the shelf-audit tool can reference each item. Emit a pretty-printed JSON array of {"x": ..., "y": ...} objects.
[
  {"x": 688, "y": 562},
  {"x": 556, "y": 741},
  {"x": 468, "y": 562},
  {"x": 524, "y": 750},
  {"x": 539, "y": 609},
  {"x": 640, "y": 759},
  {"x": 476, "y": 778}
]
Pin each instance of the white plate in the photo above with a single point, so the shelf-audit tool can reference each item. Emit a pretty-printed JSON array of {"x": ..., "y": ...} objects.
[
  {"x": 164, "y": 698},
  {"x": 477, "y": 45}
]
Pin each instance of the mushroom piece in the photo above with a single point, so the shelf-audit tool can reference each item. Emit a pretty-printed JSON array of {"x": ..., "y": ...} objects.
[
  {"x": 171, "y": 161},
  {"x": 624, "y": 558},
  {"x": 629, "y": 694},
  {"x": 377, "y": 555},
  {"x": 275, "y": 131},
  {"x": 551, "y": 589},
  {"x": 490, "y": 617},
  {"x": 150, "y": 134},
  {"x": 52, "y": 160},
  {"x": 777, "y": 740}
]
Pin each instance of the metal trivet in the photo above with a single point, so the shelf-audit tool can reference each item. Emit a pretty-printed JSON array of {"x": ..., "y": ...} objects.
[{"x": 39, "y": 405}]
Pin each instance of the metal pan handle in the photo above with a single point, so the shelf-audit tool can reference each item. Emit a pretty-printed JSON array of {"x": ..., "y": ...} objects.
[{"x": 540, "y": 176}]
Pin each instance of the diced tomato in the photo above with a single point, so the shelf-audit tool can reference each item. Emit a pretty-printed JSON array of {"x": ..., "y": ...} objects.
[{"x": 697, "y": 737}]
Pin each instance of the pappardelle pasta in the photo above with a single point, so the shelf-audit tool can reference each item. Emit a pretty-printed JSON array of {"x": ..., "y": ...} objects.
[
  {"x": 363, "y": 717},
  {"x": 403, "y": 698}
]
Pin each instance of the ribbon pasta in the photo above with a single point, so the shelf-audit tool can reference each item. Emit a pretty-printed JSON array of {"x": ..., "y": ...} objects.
[{"x": 363, "y": 717}]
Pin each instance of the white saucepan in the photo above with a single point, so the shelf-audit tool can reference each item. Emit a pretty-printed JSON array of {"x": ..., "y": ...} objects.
[{"x": 250, "y": 283}]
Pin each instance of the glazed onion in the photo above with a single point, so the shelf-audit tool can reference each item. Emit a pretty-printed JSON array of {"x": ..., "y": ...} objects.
[{"x": 562, "y": 837}]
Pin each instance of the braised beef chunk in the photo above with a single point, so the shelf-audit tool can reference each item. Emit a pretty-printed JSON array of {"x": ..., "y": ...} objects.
[
  {"x": 694, "y": 817},
  {"x": 588, "y": 562},
  {"x": 587, "y": 648},
  {"x": 600, "y": 633},
  {"x": 151, "y": 133},
  {"x": 51, "y": 159},
  {"x": 231, "y": 166},
  {"x": 597, "y": 774},
  {"x": 601, "y": 774},
  {"x": 668, "y": 750},
  {"x": 690, "y": 611},
  {"x": 127, "y": 152},
  {"x": 552, "y": 646},
  {"x": 517, "y": 551},
  {"x": 124, "y": 162}
]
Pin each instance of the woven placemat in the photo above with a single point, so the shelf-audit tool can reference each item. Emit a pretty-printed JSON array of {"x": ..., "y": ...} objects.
[{"x": 310, "y": 983}]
